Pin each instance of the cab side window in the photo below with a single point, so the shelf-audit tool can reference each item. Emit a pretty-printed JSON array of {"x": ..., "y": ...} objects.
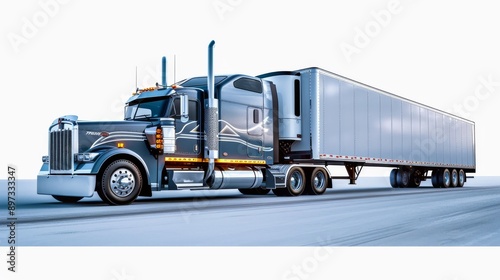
[
  {"x": 176, "y": 109},
  {"x": 248, "y": 84}
]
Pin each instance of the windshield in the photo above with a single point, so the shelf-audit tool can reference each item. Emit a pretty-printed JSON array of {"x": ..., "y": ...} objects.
[{"x": 145, "y": 109}]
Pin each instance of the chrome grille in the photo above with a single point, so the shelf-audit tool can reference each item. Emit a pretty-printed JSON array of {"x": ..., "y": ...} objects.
[{"x": 61, "y": 150}]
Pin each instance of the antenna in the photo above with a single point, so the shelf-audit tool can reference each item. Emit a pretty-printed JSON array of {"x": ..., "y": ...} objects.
[
  {"x": 136, "y": 78},
  {"x": 175, "y": 66}
]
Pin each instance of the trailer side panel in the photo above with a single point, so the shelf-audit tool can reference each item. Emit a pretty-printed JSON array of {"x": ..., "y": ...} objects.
[{"x": 350, "y": 121}]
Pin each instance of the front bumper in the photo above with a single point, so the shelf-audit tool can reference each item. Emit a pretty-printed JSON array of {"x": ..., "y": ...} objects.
[{"x": 66, "y": 185}]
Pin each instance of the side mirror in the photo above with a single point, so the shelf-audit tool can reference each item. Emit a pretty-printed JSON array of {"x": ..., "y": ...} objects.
[{"x": 184, "y": 108}]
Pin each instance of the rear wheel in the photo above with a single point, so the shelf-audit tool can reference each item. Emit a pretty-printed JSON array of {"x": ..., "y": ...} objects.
[
  {"x": 435, "y": 178},
  {"x": 318, "y": 182},
  {"x": 403, "y": 178},
  {"x": 461, "y": 178},
  {"x": 445, "y": 178},
  {"x": 295, "y": 183},
  {"x": 454, "y": 178},
  {"x": 120, "y": 183},
  {"x": 415, "y": 179},
  {"x": 67, "y": 199},
  {"x": 394, "y": 178}
]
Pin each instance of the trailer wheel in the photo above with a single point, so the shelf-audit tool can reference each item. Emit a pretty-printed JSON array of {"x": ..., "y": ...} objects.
[
  {"x": 461, "y": 178},
  {"x": 295, "y": 183},
  {"x": 435, "y": 178},
  {"x": 445, "y": 178},
  {"x": 394, "y": 178},
  {"x": 403, "y": 178},
  {"x": 415, "y": 179},
  {"x": 120, "y": 183},
  {"x": 454, "y": 178},
  {"x": 257, "y": 191},
  {"x": 67, "y": 199},
  {"x": 318, "y": 182}
]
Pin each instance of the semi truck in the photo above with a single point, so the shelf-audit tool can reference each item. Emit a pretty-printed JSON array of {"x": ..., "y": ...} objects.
[{"x": 280, "y": 131}]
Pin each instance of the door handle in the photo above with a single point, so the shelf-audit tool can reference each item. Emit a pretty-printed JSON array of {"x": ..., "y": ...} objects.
[{"x": 256, "y": 116}]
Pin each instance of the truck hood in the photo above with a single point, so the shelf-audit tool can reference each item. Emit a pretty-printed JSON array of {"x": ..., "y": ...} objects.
[{"x": 95, "y": 135}]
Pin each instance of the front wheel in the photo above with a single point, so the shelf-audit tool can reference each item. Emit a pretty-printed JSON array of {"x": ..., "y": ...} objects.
[
  {"x": 120, "y": 183},
  {"x": 67, "y": 199}
]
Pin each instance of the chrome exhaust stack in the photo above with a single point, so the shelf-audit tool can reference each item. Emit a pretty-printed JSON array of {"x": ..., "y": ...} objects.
[
  {"x": 211, "y": 118},
  {"x": 164, "y": 71}
]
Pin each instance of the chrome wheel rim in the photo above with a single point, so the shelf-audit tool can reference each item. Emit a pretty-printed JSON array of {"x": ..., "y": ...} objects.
[
  {"x": 446, "y": 178},
  {"x": 461, "y": 178},
  {"x": 319, "y": 181},
  {"x": 122, "y": 182},
  {"x": 296, "y": 181},
  {"x": 454, "y": 178}
]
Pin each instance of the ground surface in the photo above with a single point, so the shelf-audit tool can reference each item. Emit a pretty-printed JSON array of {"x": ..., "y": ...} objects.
[{"x": 369, "y": 214}]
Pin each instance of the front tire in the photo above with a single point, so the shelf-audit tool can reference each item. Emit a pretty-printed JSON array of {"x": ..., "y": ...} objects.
[
  {"x": 121, "y": 183},
  {"x": 67, "y": 199}
]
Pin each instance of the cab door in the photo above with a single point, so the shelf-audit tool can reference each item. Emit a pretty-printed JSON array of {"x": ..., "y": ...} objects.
[
  {"x": 255, "y": 132},
  {"x": 187, "y": 134}
]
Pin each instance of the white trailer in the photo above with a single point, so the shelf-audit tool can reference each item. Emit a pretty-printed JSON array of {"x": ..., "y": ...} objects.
[{"x": 337, "y": 120}]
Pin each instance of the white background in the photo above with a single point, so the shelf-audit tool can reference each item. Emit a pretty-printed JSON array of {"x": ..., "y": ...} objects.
[{"x": 79, "y": 57}]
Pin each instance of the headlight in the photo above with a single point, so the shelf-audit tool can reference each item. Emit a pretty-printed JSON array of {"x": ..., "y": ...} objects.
[{"x": 86, "y": 157}]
